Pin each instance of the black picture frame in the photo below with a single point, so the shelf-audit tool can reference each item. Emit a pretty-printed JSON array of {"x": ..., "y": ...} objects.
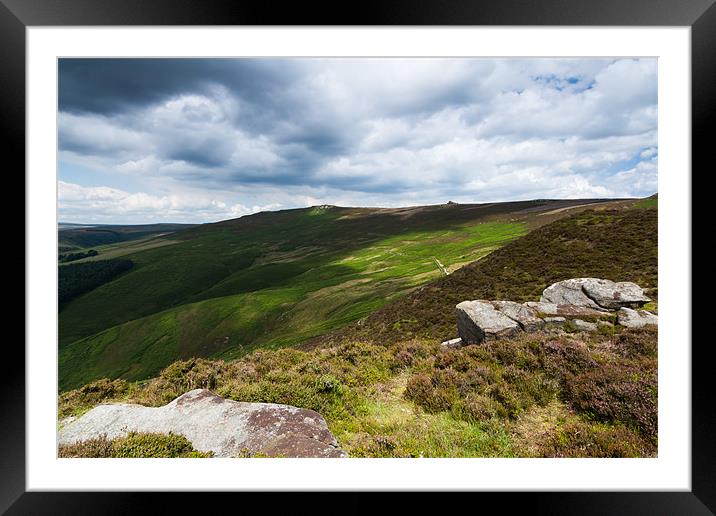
[{"x": 17, "y": 15}]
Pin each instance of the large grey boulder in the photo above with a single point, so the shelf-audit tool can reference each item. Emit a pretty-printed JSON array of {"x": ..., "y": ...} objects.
[
  {"x": 227, "y": 428},
  {"x": 525, "y": 316},
  {"x": 613, "y": 296},
  {"x": 569, "y": 292},
  {"x": 636, "y": 318},
  {"x": 478, "y": 321},
  {"x": 595, "y": 293}
]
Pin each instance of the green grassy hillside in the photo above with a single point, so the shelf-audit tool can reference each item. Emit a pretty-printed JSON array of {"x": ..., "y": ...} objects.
[
  {"x": 274, "y": 279},
  {"x": 388, "y": 389},
  {"x": 617, "y": 244}
]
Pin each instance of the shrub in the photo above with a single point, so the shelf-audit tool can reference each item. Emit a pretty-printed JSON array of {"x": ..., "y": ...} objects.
[
  {"x": 499, "y": 378},
  {"x": 78, "y": 401},
  {"x": 422, "y": 391},
  {"x": 617, "y": 391},
  {"x": 154, "y": 445},
  {"x": 581, "y": 439},
  {"x": 183, "y": 376},
  {"x": 562, "y": 357},
  {"x": 94, "y": 448},
  {"x": 475, "y": 408},
  {"x": 638, "y": 342},
  {"x": 134, "y": 445}
]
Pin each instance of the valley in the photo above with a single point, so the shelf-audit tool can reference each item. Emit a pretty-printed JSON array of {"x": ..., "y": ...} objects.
[{"x": 273, "y": 279}]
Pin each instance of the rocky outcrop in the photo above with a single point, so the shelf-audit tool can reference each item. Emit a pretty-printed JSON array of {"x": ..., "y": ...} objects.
[
  {"x": 225, "y": 427},
  {"x": 613, "y": 296},
  {"x": 568, "y": 300},
  {"x": 636, "y": 318},
  {"x": 478, "y": 321},
  {"x": 569, "y": 292},
  {"x": 595, "y": 293}
]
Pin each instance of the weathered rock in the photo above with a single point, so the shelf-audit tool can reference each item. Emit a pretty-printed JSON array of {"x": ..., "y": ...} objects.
[
  {"x": 543, "y": 308},
  {"x": 227, "y": 428},
  {"x": 604, "y": 324},
  {"x": 478, "y": 321},
  {"x": 553, "y": 322},
  {"x": 613, "y": 296},
  {"x": 452, "y": 343},
  {"x": 636, "y": 318},
  {"x": 562, "y": 309},
  {"x": 584, "y": 325},
  {"x": 569, "y": 292},
  {"x": 524, "y": 315}
]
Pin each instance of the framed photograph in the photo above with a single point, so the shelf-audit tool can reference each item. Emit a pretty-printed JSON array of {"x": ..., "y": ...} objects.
[{"x": 413, "y": 249}]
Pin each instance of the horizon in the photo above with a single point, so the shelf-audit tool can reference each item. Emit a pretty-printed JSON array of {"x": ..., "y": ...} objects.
[
  {"x": 203, "y": 140},
  {"x": 60, "y": 222}
]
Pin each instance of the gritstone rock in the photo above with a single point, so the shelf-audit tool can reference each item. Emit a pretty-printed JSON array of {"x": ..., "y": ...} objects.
[{"x": 227, "y": 428}]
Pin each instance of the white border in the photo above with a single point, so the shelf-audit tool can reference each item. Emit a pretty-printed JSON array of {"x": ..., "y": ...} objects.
[{"x": 671, "y": 470}]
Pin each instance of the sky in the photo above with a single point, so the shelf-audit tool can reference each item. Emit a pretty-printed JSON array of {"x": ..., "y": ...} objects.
[{"x": 202, "y": 140}]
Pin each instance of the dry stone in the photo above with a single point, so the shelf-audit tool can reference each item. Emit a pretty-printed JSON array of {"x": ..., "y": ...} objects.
[
  {"x": 562, "y": 310},
  {"x": 569, "y": 292},
  {"x": 555, "y": 321},
  {"x": 584, "y": 325},
  {"x": 613, "y": 296},
  {"x": 452, "y": 343},
  {"x": 524, "y": 315},
  {"x": 227, "y": 428},
  {"x": 478, "y": 321},
  {"x": 636, "y": 318}
]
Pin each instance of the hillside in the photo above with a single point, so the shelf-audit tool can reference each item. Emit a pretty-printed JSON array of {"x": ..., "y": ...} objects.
[
  {"x": 387, "y": 388},
  {"x": 275, "y": 279},
  {"x": 78, "y": 236},
  {"x": 615, "y": 244}
]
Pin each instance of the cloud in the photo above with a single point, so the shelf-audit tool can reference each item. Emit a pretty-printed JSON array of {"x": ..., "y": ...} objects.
[
  {"x": 384, "y": 131},
  {"x": 104, "y": 204}
]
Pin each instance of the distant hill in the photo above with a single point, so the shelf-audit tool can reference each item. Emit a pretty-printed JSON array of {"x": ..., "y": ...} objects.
[
  {"x": 276, "y": 279},
  {"x": 71, "y": 236}
]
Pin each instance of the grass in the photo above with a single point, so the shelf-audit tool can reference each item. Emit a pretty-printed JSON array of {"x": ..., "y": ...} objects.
[
  {"x": 518, "y": 397},
  {"x": 616, "y": 244},
  {"x": 109, "y": 251},
  {"x": 283, "y": 278},
  {"x": 387, "y": 389},
  {"x": 134, "y": 445},
  {"x": 648, "y": 203}
]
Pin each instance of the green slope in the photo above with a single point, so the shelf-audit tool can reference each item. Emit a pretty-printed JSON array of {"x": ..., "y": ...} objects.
[
  {"x": 271, "y": 280},
  {"x": 618, "y": 244},
  {"x": 386, "y": 393}
]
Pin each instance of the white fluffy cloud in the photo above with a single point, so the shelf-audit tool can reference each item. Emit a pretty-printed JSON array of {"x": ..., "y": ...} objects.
[
  {"x": 214, "y": 138},
  {"x": 103, "y": 204}
]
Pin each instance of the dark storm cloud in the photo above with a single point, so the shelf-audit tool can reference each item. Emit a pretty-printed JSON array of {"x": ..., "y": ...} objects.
[{"x": 111, "y": 86}]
